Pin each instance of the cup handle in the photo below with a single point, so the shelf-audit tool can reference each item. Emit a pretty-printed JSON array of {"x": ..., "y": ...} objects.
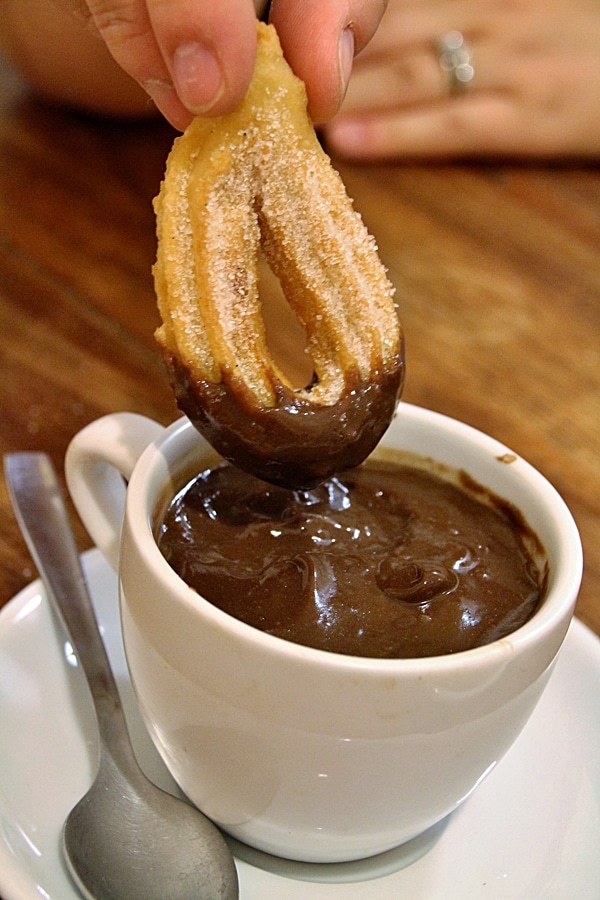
[{"x": 98, "y": 463}]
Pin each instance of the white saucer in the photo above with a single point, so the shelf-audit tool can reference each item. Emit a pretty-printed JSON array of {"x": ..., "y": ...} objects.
[{"x": 532, "y": 830}]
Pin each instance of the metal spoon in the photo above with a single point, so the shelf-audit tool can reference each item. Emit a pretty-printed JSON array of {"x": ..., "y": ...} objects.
[{"x": 126, "y": 838}]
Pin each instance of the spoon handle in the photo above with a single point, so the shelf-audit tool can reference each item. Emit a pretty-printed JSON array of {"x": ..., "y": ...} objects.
[{"x": 40, "y": 510}]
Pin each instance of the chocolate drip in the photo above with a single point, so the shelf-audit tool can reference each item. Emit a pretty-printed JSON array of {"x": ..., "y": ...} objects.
[{"x": 295, "y": 443}]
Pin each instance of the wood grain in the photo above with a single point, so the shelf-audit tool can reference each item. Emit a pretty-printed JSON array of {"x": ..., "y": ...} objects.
[{"x": 497, "y": 270}]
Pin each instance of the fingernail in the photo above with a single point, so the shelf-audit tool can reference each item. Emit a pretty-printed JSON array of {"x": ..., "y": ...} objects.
[
  {"x": 346, "y": 56},
  {"x": 197, "y": 76}
]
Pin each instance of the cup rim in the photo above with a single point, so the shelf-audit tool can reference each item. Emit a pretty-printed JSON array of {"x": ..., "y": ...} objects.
[{"x": 556, "y": 608}]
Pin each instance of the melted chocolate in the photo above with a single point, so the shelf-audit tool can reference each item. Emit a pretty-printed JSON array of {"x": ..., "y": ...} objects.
[
  {"x": 386, "y": 560},
  {"x": 296, "y": 444}
]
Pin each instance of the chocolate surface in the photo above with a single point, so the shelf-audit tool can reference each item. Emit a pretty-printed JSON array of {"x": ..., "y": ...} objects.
[
  {"x": 296, "y": 443},
  {"x": 385, "y": 560}
]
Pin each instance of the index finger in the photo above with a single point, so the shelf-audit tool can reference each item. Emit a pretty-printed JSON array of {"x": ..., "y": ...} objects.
[{"x": 192, "y": 58}]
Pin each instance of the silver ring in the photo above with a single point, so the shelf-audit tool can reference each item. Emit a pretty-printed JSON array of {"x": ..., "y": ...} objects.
[{"x": 455, "y": 60}]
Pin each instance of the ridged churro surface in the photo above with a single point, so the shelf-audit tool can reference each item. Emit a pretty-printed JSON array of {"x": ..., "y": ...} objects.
[{"x": 257, "y": 180}]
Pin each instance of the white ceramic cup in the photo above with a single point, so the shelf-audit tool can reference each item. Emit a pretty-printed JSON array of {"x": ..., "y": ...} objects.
[{"x": 299, "y": 752}]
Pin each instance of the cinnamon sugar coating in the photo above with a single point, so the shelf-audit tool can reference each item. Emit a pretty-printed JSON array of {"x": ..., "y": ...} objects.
[{"x": 257, "y": 180}]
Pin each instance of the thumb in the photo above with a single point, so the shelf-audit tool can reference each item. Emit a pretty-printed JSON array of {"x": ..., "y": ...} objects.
[{"x": 319, "y": 41}]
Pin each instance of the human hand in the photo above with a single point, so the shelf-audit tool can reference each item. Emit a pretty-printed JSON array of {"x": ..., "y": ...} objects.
[
  {"x": 196, "y": 58},
  {"x": 535, "y": 90}
]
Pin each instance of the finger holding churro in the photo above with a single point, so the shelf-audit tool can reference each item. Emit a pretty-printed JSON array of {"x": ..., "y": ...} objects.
[{"x": 256, "y": 180}]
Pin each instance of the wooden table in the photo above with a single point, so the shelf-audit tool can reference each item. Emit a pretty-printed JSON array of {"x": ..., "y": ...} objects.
[{"x": 497, "y": 269}]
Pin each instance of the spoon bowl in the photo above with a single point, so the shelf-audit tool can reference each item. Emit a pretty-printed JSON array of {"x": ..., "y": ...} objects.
[
  {"x": 126, "y": 838},
  {"x": 168, "y": 850}
]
